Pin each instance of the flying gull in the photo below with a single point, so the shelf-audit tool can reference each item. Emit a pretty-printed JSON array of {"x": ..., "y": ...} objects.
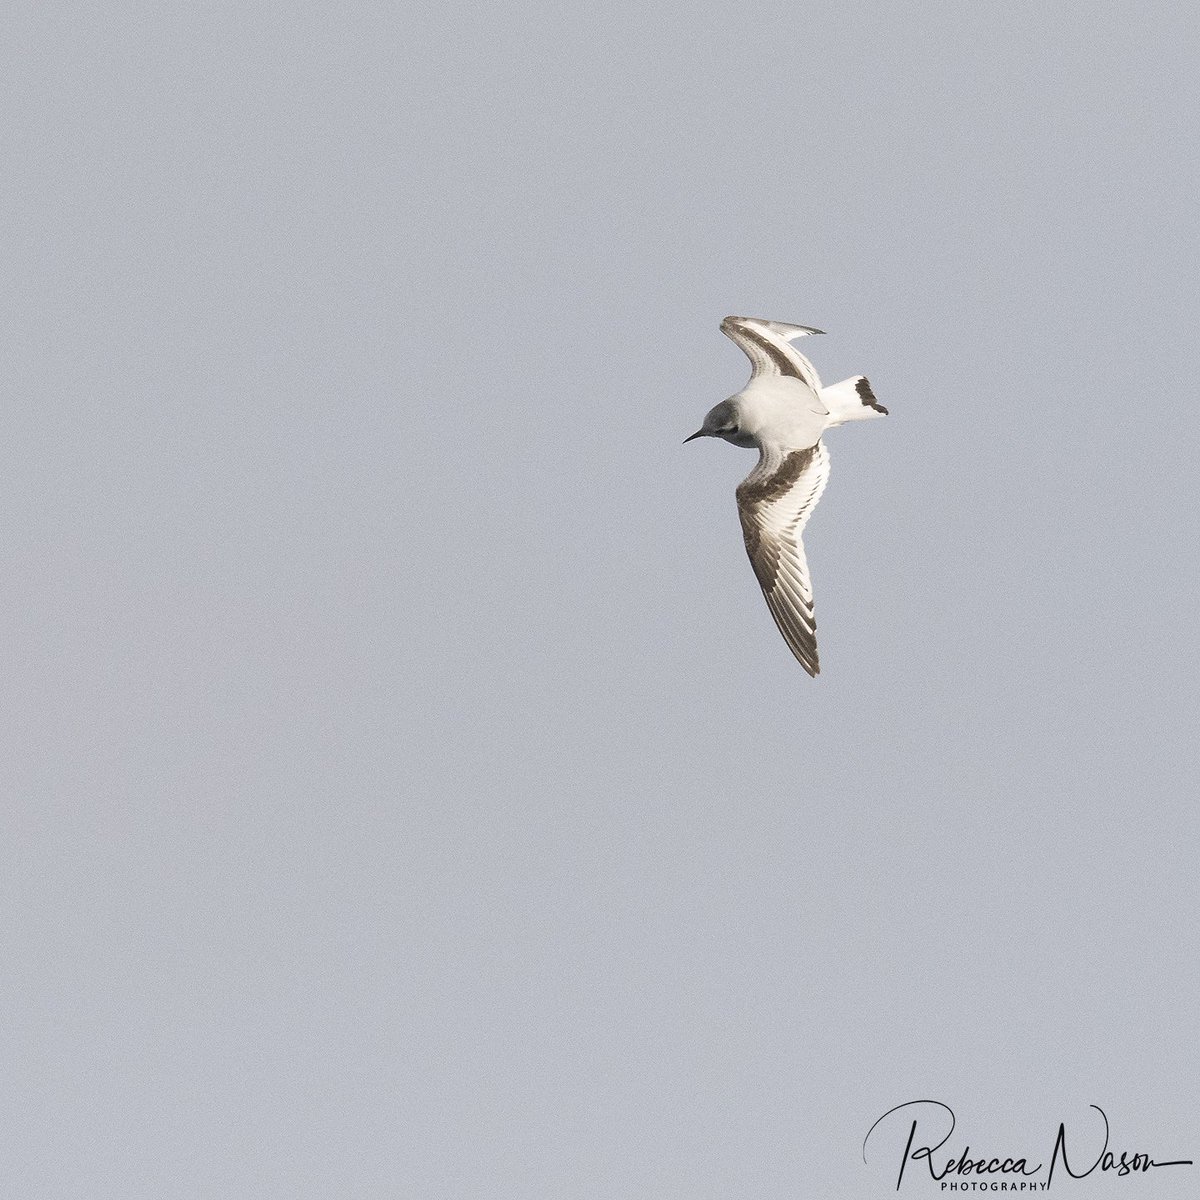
[{"x": 783, "y": 411}]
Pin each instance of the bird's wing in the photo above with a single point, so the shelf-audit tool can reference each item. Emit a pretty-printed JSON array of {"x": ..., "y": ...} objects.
[
  {"x": 774, "y": 508},
  {"x": 768, "y": 346}
]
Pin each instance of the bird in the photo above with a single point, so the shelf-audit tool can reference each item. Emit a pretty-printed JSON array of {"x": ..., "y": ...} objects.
[{"x": 783, "y": 411}]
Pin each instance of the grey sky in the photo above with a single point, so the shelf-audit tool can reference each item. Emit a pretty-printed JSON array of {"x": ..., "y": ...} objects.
[{"x": 406, "y": 790}]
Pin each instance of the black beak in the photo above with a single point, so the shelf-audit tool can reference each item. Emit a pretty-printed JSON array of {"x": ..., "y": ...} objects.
[{"x": 698, "y": 433}]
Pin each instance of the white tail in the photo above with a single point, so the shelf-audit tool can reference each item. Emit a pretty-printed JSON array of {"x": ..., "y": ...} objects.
[{"x": 851, "y": 400}]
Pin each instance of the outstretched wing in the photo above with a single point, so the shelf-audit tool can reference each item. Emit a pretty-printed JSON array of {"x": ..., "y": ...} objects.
[
  {"x": 768, "y": 346},
  {"x": 774, "y": 508}
]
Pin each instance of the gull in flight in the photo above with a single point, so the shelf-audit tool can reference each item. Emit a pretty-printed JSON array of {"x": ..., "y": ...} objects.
[{"x": 782, "y": 412}]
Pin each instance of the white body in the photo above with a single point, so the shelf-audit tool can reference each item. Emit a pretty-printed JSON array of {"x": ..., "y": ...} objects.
[
  {"x": 776, "y": 412},
  {"x": 788, "y": 413}
]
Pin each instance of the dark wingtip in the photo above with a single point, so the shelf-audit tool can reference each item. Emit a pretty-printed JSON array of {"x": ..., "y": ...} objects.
[{"x": 808, "y": 328}]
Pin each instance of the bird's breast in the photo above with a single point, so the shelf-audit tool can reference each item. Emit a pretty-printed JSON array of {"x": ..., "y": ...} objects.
[{"x": 785, "y": 412}]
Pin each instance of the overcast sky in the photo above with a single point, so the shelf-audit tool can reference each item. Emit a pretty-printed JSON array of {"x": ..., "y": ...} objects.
[{"x": 406, "y": 791}]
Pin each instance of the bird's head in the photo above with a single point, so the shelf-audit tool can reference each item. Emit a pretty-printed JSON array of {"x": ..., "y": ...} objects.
[{"x": 722, "y": 422}]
